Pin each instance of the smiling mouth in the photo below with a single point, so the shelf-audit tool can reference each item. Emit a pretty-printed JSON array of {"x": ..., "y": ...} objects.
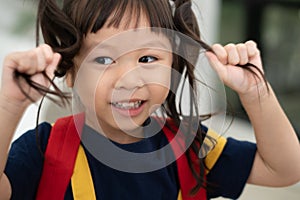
[{"x": 128, "y": 105}]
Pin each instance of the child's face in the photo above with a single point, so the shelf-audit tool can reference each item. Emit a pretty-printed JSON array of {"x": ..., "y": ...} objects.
[{"x": 124, "y": 76}]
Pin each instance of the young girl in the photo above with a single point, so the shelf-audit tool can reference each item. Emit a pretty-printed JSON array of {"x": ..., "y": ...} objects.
[{"x": 124, "y": 60}]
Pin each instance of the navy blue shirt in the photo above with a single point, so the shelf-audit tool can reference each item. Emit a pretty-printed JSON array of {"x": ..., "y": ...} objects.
[{"x": 228, "y": 176}]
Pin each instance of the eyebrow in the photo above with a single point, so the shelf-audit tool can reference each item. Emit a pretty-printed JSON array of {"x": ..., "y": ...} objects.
[{"x": 156, "y": 44}]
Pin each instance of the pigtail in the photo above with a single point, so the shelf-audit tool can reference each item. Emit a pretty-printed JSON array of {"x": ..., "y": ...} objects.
[
  {"x": 59, "y": 32},
  {"x": 186, "y": 23}
]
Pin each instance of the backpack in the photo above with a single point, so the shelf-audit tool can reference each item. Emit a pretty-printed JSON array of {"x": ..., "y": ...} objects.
[{"x": 63, "y": 151}]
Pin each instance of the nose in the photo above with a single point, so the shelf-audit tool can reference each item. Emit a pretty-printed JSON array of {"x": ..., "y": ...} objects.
[{"x": 130, "y": 78}]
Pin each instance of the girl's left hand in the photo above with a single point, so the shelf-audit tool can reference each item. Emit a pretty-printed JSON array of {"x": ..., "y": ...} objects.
[{"x": 225, "y": 61}]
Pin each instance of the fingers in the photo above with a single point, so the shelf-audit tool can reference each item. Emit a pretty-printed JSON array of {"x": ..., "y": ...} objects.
[
  {"x": 242, "y": 57},
  {"x": 217, "y": 64},
  {"x": 221, "y": 53},
  {"x": 33, "y": 61},
  {"x": 252, "y": 48},
  {"x": 236, "y": 54},
  {"x": 53, "y": 65}
]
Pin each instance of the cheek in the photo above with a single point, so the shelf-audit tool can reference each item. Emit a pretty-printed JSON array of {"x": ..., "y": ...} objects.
[
  {"x": 104, "y": 86},
  {"x": 162, "y": 83},
  {"x": 91, "y": 84},
  {"x": 159, "y": 93},
  {"x": 158, "y": 97},
  {"x": 160, "y": 75}
]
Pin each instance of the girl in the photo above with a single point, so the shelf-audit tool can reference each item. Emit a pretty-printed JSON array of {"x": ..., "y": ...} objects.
[{"x": 122, "y": 59}]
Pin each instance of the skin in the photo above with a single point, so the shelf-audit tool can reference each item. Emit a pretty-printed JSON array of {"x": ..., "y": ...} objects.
[
  {"x": 121, "y": 72},
  {"x": 276, "y": 140}
]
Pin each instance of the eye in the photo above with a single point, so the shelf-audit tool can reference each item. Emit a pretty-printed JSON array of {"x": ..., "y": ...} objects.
[
  {"x": 147, "y": 59},
  {"x": 104, "y": 60}
]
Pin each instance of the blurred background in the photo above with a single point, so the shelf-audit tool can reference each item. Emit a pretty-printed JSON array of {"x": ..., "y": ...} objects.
[{"x": 273, "y": 24}]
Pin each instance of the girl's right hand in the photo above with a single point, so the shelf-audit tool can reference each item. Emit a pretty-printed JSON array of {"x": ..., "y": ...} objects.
[{"x": 32, "y": 63}]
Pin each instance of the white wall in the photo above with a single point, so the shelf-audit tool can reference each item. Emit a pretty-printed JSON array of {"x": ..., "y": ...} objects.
[
  {"x": 10, "y": 42},
  {"x": 208, "y": 13}
]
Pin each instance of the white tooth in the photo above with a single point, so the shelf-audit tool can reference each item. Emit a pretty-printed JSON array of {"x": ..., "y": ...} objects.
[{"x": 127, "y": 105}]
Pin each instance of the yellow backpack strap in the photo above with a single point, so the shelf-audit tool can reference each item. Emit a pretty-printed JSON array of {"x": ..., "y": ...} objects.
[
  {"x": 217, "y": 144},
  {"x": 82, "y": 182},
  {"x": 179, "y": 195}
]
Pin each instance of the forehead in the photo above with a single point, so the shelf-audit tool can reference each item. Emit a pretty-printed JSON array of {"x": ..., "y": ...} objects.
[
  {"x": 128, "y": 22},
  {"x": 126, "y": 37}
]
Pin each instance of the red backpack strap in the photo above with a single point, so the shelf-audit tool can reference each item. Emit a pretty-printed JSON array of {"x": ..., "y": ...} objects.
[
  {"x": 186, "y": 179},
  {"x": 60, "y": 157}
]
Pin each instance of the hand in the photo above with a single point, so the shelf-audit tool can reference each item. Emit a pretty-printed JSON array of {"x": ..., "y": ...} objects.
[
  {"x": 32, "y": 63},
  {"x": 226, "y": 61}
]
